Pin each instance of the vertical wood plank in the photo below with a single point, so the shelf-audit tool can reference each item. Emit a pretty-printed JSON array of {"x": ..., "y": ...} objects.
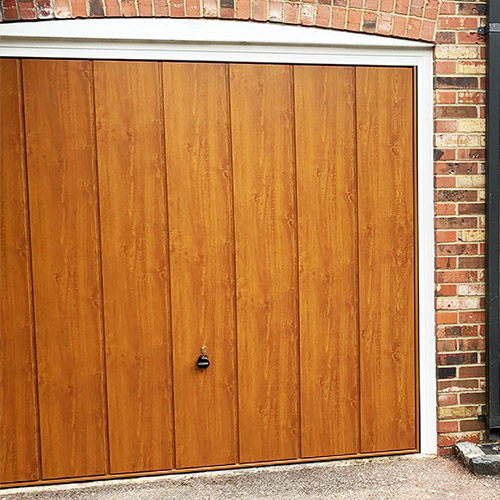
[
  {"x": 18, "y": 415},
  {"x": 266, "y": 266},
  {"x": 66, "y": 279},
  {"x": 201, "y": 262},
  {"x": 327, "y": 229},
  {"x": 135, "y": 267},
  {"x": 387, "y": 265}
]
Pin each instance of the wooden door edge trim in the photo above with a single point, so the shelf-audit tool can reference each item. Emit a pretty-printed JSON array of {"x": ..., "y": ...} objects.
[
  {"x": 163, "y": 472},
  {"x": 416, "y": 255}
]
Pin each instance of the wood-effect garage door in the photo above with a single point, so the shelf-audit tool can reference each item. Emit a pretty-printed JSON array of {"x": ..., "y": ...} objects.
[{"x": 262, "y": 213}]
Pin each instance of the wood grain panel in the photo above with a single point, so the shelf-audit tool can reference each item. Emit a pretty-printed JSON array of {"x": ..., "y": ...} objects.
[
  {"x": 266, "y": 267},
  {"x": 135, "y": 268},
  {"x": 66, "y": 279},
  {"x": 18, "y": 417},
  {"x": 201, "y": 262},
  {"x": 387, "y": 263},
  {"x": 327, "y": 225}
]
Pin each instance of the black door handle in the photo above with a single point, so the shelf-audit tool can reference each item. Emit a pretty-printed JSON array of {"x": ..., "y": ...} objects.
[{"x": 203, "y": 362}]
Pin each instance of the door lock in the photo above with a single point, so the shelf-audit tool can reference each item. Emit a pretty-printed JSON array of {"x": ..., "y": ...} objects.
[{"x": 203, "y": 362}]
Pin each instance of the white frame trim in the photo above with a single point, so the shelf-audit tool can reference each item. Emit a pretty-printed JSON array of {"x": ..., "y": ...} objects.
[{"x": 233, "y": 41}]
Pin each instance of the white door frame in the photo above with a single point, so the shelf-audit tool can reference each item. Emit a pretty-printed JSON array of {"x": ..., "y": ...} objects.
[{"x": 235, "y": 41}]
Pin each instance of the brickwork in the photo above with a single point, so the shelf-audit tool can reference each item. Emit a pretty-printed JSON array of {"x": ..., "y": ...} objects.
[
  {"x": 460, "y": 78},
  {"x": 459, "y": 153}
]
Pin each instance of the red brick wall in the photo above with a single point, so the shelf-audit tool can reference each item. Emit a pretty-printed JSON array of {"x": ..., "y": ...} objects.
[
  {"x": 459, "y": 152},
  {"x": 460, "y": 206}
]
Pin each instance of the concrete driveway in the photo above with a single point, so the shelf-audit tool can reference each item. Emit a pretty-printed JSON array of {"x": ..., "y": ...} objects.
[{"x": 400, "y": 478}]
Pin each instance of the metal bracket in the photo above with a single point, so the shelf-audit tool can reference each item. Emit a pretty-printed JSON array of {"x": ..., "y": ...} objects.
[{"x": 489, "y": 28}]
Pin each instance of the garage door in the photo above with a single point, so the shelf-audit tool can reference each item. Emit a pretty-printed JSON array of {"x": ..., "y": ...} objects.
[{"x": 262, "y": 216}]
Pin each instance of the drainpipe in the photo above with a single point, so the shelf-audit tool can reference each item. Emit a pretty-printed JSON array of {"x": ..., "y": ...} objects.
[{"x": 492, "y": 32}]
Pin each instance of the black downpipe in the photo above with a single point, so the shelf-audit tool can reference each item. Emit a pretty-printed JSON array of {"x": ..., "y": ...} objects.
[{"x": 492, "y": 32}]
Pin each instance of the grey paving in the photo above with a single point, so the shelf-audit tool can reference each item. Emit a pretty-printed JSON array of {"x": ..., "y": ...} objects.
[
  {"x": 391, "y": 478},
  {"x": 480, "y": 459}
]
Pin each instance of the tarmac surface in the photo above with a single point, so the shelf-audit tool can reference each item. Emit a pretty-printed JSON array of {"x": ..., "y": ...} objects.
[{"x": 411, "y": 477}]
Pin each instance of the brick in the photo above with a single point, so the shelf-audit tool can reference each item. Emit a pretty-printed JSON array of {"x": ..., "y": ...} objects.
[
  {"x": 457, "y": 331},
  {"x": 445, "y": 373},
  {"x": 471, "y": 154},
  {"x": 129, "y": 8},
  {"x": 291, "y": 13},
  {"x": 323, "y": 16},
  {"x": 259, "y": 10},
  {"x": 458, "y": 412},
  {"x": 457, "y": 359},
  {"x": 402, "y": 6},
  {"x": 79, "y": 8},
  {"x": 455, "y": 249},
  {"x": 472, "y": 97},
  {"x": 446, "y": 290},
  {"x": 477, "y": 398},
  {"x": 243, "y": 9},
  {"x": 447, "y": 346},
  {"x": 160, "y": 8},
  {"x": 472, "y": 317},
  {"x": 471, "y": 67},
  {"x": 470, "y": 38},
  {"x": 451, "y": 439},
  {"x": 444, "y": 237},
  {"x": 459, "y": 168},
  {"x": 445, "y": 209},
  {"x": 456, "y": 82},
  {"x": 62, "y": 9},
  {"x": 455, "y": 195},
  {"x": 456, "y": 385},
  {"x": 476, "y": 344},
  {"x": 446, "y": 37},
  {"x": 471, "y": 125},
  {"x": 339, "y": 18},
  {"x": 353, "y": 20},
  {"x": 210, "y": 8},
  {"x": 177, "y": 8},
  {"x": 455, "y": 112},
  {"x": 307, "y": 14},
  {"x": 445, "y": 303},
  {"x": 444, "y": 182},
  {"x": 446, "y": 318},
  {"x": 457, "y": 52},
  {"x": 413, "y": 28},
  {"x": 459, "y": 140},
  {"x": 193, "y": 8},
  {"x": 445, "y": 263},
  {"x": 145, "y": 8},
  {"x": 447, "y": 426},
  {"x": 399, "y": 26},
  {"x": 471, "y": 263},
  {"x": 44, "y": 9},
  {"x": 473, "y": 235},
  {"x": 472, "y": 371},
  {"x": 448, "y": 399},
  {"x": 473, "y": 289},
  {"x": 472, "y": 425},
  {"x": 369, "y": 22},
  {"x": 428, "y": 30},
  {"x": 456, "y": 223}
]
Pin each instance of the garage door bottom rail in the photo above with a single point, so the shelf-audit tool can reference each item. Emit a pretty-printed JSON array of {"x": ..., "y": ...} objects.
[{"x": 205, "y": 468}]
